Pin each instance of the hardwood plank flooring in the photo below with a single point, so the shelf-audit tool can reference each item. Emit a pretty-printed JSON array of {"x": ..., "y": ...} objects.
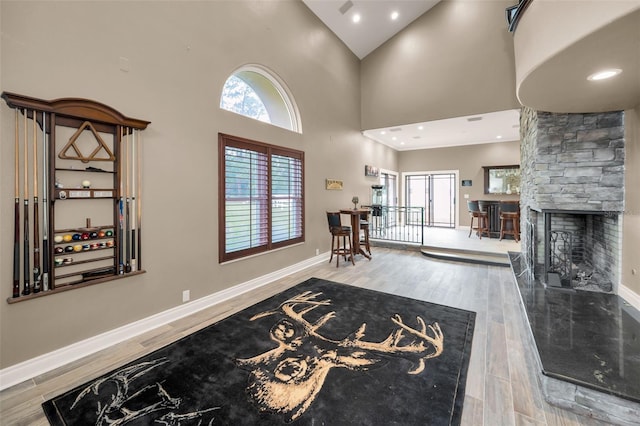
[{"x": 501, "y": 386}]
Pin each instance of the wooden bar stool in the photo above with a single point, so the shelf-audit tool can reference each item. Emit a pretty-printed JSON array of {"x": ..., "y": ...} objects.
[
  {"x": 482, "y": 219},
  {"x": 364, "y": 227},
  {"x": 510, "y": 215},
  {"x": 337, "y": 231}
]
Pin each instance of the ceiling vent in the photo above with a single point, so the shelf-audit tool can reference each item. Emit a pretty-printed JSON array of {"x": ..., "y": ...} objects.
[
  {"x": 345, "y": 7},
  {"x": 396, "y": 129},
  {"x": 474, "y": 119}
]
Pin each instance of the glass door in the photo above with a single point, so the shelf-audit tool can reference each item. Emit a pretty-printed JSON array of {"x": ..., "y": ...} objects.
[
  {"x": 435, "y": 192},
  {"x": 389, "y": 192},
  {"x": 389, "y": 181}
]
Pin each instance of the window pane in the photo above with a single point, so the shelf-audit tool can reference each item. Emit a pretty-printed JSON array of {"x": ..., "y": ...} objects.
[
  {"x": 262, "y": 191},
  {"x": 239, "y": 97},
  {"x": 256, "y": 92},
  {"x": 246, "y": 212},
  {"x": 286, "y": 202}
]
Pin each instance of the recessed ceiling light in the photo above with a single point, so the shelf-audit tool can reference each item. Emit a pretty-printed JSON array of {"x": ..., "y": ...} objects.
[
  {"x": 401, "y": 143},
  {"x": 394, "y": 15},
  {"x": 499, "y": 137},
  {"x": 383, "y": 132},
  {"x": 393, "y": 138},
  {"x": 356, "y": 18},
  {"x": 420, "y": 127},
  {"x": 604, "y": 74}
]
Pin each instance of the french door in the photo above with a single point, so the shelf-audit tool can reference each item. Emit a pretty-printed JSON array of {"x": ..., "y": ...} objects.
[
  {"x": 436, "y": 193},
  {"x": 389, "y": 181}
]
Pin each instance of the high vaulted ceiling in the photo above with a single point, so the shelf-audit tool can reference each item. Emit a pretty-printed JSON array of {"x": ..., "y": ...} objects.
[
  {"x": 558, "y": 85},
  {"x": 376, "y": 27}
]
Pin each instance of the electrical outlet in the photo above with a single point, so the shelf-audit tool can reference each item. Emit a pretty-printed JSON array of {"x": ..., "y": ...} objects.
[
  {"x": 186, "y": 295},
  {"x": 317, "y": 252},
  {"x": 466, "y": 195}
]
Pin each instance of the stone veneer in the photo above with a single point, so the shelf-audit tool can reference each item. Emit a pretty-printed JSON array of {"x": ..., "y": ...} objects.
[
  {"x": 572, "y": 161},
  {"x": 573, "y": 165}
]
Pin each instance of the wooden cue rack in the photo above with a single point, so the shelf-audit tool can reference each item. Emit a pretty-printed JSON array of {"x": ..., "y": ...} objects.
[{"x": 79, "y": 161}]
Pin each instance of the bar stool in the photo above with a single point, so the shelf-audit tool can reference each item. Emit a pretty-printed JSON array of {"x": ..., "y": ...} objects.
[
  {"x": 482, "y": 219},
  {"x": 510, "y": 214},
  {"x": 364, "y": 227},
  {"x": 337, "y": 231},
  {"x": 490, "y": 209}
]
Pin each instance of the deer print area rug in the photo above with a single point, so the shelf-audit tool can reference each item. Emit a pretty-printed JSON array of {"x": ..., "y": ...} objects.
[{"x": 319, "y": 353}]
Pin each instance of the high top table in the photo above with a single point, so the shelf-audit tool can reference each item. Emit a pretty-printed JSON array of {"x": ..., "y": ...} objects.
[{"x": 355, "y": 229}]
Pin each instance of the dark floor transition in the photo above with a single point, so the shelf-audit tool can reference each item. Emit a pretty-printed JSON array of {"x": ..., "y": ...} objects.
[{"x": 585, "y": 338}]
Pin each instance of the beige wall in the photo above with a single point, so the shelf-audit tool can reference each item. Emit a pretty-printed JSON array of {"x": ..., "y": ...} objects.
[
  {"x": 455, "y": 60},
  {"x": 179, "y": 54},
  {"x": 468, "y": 160},
  {"x": 631, "y": 218}
]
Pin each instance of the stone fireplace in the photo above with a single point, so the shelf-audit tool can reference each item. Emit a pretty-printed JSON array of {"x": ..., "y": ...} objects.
[{"x": 572, "y": 197}]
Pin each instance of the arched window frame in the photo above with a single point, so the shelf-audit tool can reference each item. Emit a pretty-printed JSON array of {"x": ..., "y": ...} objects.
[{"x": 274, "y": 94}]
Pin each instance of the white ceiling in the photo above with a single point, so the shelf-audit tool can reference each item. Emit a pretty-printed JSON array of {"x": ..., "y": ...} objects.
[
  {"x": 502, "y": 126},
  {"x": 376, "y": 27}
]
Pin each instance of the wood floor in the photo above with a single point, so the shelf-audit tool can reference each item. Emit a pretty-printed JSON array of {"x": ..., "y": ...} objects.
[{"x": 501, "y": 387}]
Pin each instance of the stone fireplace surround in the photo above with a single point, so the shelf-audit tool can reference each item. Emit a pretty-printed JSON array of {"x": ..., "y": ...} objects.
[
  {"x": 585, "y": 343},
  {"x": 573, "y": 181}
]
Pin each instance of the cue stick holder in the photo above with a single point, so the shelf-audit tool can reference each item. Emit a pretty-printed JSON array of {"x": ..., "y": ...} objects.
[{"x": 79, "y": 161}]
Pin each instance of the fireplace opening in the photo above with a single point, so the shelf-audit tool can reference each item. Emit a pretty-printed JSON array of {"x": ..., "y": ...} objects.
[{"x": 574, "y": 249}]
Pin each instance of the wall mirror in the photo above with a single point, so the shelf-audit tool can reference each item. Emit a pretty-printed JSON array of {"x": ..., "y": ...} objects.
[{"x": 502, "y": 179}]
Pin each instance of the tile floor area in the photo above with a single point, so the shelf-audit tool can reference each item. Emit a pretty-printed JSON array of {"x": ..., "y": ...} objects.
[{"x": 459, "y": 239}]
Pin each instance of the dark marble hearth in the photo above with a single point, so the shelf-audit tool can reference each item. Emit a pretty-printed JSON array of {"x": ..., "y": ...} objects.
[{"x": 588, "y": 339}]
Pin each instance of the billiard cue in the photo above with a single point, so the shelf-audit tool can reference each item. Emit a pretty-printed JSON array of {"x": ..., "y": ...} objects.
[
  {"x": 139, "y": 199},
  {"x": 26, "y": 289},
  {"x": 133, "y": 199},
  {"x": 128, "y": 202},
  {"x": 16, "y": 214},
  {"x": 36, "y": 212},
  {"x": 121, "y": 210},
  {"x": 45, "y": 206}
]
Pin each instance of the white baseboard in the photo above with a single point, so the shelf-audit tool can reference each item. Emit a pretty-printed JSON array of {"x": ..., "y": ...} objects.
[
  {"x": 631, "y": 297},
  {"x": 18, "y": 373}
]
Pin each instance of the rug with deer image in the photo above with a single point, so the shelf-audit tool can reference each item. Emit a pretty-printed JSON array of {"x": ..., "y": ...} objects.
[{"x": 319, "y": 353}]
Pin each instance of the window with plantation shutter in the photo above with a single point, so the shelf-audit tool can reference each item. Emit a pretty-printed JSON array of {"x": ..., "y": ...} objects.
[{"x": 261, "y": 197}]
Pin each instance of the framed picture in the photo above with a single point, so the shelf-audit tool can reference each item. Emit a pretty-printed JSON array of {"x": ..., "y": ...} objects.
[
  {"x": 333, "y": 184},
  {"x": 371, "y": 171}
]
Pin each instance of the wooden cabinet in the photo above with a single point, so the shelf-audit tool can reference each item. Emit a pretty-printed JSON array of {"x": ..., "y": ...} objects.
[{"x": 78, "y": 165}]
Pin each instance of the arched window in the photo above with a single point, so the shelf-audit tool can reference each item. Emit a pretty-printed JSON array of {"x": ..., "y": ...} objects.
[{"x": 255, "y": 92}]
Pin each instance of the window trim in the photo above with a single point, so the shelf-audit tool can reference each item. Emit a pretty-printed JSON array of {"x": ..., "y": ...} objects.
[{"x": 225, "y": 140}]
